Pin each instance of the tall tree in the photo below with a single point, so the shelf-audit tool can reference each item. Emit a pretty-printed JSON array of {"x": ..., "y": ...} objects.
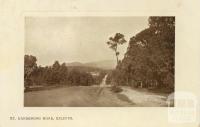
[
  {"x": 56, "y": 72},
  {"x": 29, "y": 67},
  {"x": 150, "y": 55},
  {"x": 113, "y": 43}
]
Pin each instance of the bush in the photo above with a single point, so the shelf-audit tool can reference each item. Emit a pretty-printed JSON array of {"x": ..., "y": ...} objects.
[{"x": 116, "y": 89}]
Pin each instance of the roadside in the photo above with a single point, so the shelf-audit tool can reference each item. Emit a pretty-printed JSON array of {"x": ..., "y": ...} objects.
[{"x": 144, "y": 97}]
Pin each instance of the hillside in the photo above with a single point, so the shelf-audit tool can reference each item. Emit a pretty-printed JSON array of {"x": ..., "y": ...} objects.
[
  {"x": 105, "y": 64},
  {"x": 150, "y": 56}
]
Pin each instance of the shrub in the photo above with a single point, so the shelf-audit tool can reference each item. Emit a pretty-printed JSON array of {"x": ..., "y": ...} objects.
[{"x": 116, "y": 89}]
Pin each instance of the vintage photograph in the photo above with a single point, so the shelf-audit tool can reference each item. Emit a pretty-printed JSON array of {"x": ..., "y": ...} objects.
[{"x": 88, "y": 61}]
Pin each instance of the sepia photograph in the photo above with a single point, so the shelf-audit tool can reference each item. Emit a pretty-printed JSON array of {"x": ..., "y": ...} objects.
[{"x": 97, "y": 61}]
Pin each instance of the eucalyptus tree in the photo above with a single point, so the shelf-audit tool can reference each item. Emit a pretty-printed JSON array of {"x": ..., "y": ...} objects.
[{"x": 114, "y": 42}]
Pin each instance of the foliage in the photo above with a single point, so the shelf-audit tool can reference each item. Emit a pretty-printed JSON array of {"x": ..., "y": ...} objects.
[
  {"x": 98, "y": 79},
  {"x": 77, "y": 77},
  {"x": 113, "y": 43},
  {"x": 56, "y": 74},
  {"x": 29, "y": 67},
  {"x": 149, "y": 60},
  {"x": 116, "y": 89}
]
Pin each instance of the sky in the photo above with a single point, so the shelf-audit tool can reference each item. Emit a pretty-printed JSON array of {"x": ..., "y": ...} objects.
[{"x": 77, "y": 39}]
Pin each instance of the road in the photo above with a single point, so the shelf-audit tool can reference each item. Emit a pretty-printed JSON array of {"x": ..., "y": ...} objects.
[{"x": 91, "y": 96}]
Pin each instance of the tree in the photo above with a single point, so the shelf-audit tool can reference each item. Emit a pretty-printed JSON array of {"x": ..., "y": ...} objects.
[
  {"x": 113, "y": 43},
  {"x": 29, "y": 67},
  {"x": 63, "y": 72},
  {"x": 56, "y": 65},
  {"x": 150, "y": 55},
  {"x": 56, "y": 72}
]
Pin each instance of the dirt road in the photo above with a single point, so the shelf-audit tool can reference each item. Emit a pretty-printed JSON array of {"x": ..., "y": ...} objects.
[
  {"x": 91, "y": 96},
  {"x": 77, "y": 96}
]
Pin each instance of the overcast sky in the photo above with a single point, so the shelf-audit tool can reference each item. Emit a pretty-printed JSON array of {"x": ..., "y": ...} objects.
[{"x": 77, "y": 39}]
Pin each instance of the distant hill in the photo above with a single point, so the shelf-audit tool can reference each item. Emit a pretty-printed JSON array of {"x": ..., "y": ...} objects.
[
  {"x": 75, "y": 64},
  {"x": 105, "y": 64}
]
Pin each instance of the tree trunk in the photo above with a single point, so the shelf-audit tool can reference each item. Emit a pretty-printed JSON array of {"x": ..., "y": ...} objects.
[
  {"x": 141, "y": 84},
  {"x": 116, "y": 56},
  {"x": 117, "y": 59}
]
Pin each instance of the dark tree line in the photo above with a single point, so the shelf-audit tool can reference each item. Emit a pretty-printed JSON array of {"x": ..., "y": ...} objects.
[
  {"x": 58, "y": 74},
  {"x": 149, "y": 60}
]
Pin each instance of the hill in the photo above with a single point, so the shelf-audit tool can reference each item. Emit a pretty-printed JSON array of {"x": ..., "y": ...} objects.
[{"x": 105, "y": 64}]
